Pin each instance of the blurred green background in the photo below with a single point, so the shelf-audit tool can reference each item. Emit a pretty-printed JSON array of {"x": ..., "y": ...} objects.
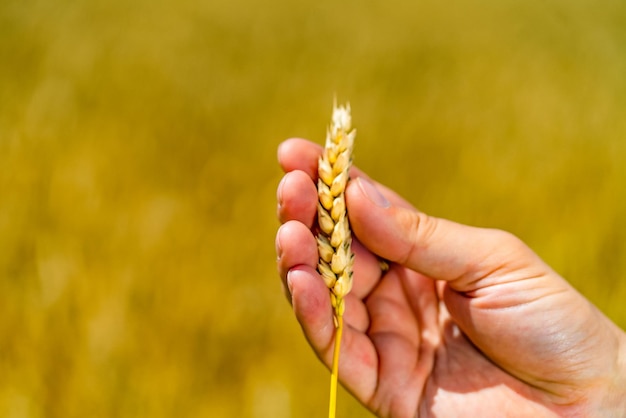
[{"x": 138, "y": 176}]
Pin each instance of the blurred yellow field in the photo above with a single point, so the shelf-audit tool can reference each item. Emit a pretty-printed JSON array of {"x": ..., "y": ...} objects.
[{"x": 138, "y": 176}]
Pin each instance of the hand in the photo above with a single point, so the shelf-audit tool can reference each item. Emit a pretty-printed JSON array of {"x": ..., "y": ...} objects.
[{"x": 466, "y": 322}]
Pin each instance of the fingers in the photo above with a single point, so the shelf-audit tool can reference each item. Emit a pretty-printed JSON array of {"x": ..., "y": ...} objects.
[
  {"x": 297, "y": 198},
  {"x": 299, "y": 154},
  {"x": 297, "y": 201},
  {"x": 297, "y": 261},
  {"x": 360, "y": 361},
  {"x": 295, "y": 246},
  {"x": 311, "y": 305},
  {"x": 297, "y": 252},
  {"x": 404, "y": 329},
  {"x": 366, "y": 270},
  {"x": 437, "y": 248}
]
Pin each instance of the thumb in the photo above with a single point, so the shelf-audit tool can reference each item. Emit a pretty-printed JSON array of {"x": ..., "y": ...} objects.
[{"x": 435, "y": 247}]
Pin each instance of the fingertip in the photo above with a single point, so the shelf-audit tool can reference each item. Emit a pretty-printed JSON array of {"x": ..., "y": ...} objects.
[
  {"x": 295, "y": 245},
  {"x": 370, "y": 217},
  {"x": 307, "y": 288},
  {"x": 299, "y": 154},
  {"x": 311, "y": 305},
  {"x": 283, "y": 149},
  {"x": 297, "y": 198}
]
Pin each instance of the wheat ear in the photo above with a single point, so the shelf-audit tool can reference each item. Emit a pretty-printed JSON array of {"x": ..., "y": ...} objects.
[{"x": 334, "y": 239}]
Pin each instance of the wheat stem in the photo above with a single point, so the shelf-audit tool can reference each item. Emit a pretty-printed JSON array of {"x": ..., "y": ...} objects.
[
  {"x": 332, "y": 408},
  {"x": 334, "y": 239}
]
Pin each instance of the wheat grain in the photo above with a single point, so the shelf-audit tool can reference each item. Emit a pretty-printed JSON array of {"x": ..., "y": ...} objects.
[{"x": 334, "y": 239}]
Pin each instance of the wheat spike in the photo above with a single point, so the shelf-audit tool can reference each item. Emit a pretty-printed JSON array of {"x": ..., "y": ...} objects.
[{"x": 334, "y": 239}]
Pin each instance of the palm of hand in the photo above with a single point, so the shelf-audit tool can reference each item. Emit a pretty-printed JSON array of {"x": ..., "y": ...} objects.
[{"x": 417, "y": 361}]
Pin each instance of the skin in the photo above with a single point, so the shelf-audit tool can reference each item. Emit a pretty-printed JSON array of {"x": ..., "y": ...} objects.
[{"x": 467, "y": 321}]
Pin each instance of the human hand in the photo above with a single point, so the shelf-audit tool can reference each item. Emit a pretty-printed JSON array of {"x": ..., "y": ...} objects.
[{"x": 466, "y": 322}]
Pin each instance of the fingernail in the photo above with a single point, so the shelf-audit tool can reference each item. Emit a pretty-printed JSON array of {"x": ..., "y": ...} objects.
[
  {"x": 289, "y": 284},
  {"x": 372, "y": 193},
  {"x": 279, "y": 196},
  {"x": 279, "y": 190},
  {"x": 279, "y": 248}
]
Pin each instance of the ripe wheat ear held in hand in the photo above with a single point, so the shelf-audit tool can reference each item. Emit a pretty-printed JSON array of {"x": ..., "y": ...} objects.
[{"x": 334, "y": 239}]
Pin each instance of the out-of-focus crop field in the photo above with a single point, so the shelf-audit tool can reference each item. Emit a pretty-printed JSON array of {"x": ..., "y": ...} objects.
[{"x": 138, "y": 176}]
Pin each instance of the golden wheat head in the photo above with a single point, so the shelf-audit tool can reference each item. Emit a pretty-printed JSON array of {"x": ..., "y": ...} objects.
[{"x": 334, "y": 240}]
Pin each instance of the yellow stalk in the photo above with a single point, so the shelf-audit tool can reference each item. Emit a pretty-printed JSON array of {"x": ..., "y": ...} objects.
[{"x": 332, "y": 408}]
